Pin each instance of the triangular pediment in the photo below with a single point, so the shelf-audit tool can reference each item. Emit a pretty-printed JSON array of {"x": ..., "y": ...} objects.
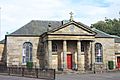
[{"x": 73, "y": 28}]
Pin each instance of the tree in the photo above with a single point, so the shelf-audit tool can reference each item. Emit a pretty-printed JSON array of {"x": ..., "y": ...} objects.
[{"x": 110, "y": 26}]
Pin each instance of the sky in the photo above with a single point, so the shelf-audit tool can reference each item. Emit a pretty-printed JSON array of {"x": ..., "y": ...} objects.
[{"x": 16, "y": 13}]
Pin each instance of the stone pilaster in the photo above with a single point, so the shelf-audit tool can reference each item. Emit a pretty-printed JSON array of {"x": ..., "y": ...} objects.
[
  {"x": 49, "y": 53},
  {"x": 86, "y": 56},
  {"x": 90, "y": 55},
  {"x": 93, "y": 54},
  {"x": 62, "y": 62},
  {"x": 64, "y": 54},
  {"x": 79, "y": 55}
]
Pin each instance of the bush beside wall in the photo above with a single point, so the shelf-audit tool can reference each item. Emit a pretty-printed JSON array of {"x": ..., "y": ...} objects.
[
  {"x": 29, "y": 64},
  {"x": 110, "y": 65}
]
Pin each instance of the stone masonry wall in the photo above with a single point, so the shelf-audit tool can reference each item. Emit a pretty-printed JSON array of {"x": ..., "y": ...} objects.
[
  {"x": 15, "y": 49},
  {"x": 117, "y": 52},
  {"x": 117, "y": 47},
  {"x": 1, "y": 50},
  {"x": 108, "y": 49}
]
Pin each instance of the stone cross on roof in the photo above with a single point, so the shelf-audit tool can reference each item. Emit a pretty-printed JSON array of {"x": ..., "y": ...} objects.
[{"x": 71, "y": 16}]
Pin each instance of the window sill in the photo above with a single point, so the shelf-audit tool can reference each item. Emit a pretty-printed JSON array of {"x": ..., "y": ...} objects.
[
  {"x": 82, "y": 53},
  {"x": 54, "y": 53},
  {"x": 23, "y": 63},
  {"x": 99, "y": 63}
]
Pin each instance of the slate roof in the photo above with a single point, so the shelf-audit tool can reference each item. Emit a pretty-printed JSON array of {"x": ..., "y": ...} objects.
[
  {"x": 117, "y": 38},
  {"x": 38, "y": 27},
  {"x": 101, "y": 34},
  {"x": 2, "y": 41}
]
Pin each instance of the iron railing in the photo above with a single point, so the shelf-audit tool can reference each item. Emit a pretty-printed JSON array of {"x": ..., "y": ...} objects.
[{"x": 29, "y": 72}]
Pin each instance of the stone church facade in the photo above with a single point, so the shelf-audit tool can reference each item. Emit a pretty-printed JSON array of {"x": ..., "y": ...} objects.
[{"x": 62, "y": 45}]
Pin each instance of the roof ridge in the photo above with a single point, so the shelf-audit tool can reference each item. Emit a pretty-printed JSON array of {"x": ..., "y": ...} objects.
[
  {"x": 102, "y": 31},
  {"x": 115, "y": 36},
  {"x": 47, "y": 20}
]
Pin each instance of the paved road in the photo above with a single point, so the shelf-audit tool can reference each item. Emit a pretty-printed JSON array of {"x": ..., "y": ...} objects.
[
  {"x": 103, "y": 76},
  {"x": 4, "y": 77},
  {"x": 100, "y": 76}
]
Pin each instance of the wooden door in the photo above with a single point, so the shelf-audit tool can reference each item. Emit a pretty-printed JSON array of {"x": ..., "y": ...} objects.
[
  {"x": 118, "y": 62},
  {"x": 69, "y": 61}
]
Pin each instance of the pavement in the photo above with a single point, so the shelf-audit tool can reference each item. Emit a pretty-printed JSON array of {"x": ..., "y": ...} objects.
[
  {"x": 98, "y": 76},
  {"x": 5, "y": 77},
  {"x": 72, "y": 76}
]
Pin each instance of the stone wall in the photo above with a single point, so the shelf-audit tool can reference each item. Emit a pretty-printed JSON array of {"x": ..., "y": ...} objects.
[
  {"x": 117, "y": 52},
  {"x": 14, "y": 46},
  {"x": 117, "y": 47},
  {"x": 108, "y": 49},
  {"x": 1, "y": 51},
  {"x": 14, "y": 49}
]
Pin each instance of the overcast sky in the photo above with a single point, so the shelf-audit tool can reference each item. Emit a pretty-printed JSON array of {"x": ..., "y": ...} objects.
[{"x": 17, "y": 13}]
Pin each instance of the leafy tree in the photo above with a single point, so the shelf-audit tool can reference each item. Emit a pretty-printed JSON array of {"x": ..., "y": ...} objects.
[{"x": 110, "y": 26}]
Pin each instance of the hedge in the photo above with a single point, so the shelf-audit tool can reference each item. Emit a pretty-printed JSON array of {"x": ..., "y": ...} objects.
[
  {"x": 110, "y": 65},
  {"x": 29, "y": 64}
]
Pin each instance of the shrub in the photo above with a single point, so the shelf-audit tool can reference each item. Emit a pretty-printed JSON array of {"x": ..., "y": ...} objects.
[
  {"x": 110, "y": 65},
  {"x": 29, "y": 65}
]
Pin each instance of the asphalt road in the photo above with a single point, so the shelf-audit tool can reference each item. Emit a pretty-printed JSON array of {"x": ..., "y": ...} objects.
[
  {"x": 72, "y": 76},
  {"x": 4, "y": 77},
  {"x": 100, "y": 76}
]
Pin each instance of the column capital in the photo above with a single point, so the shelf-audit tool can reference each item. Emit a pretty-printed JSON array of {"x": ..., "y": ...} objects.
[
  {"x": 79, "y": 40},
  {"x": 92, "y": 40},
  {"x": 49, "y": 40}
]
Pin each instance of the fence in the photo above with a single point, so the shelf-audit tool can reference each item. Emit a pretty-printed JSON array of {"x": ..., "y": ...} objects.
[{"x": 32, "y": 72}]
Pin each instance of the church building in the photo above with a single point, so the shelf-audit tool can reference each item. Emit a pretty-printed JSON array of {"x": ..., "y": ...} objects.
[{"x": 61, "y": 45}]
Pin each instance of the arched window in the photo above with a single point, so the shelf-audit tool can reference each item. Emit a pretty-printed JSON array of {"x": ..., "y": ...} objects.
[
  {"x": 98, "y": 52},
  {"x": 54, "y": 47},
  {"x": 27, "y": 52}
]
